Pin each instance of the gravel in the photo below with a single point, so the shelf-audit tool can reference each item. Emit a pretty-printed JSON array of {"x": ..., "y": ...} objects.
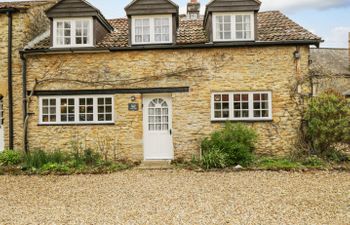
[{"x": 177, "y": 197}]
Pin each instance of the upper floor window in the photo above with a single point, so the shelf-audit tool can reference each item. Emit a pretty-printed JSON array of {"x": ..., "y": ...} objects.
[
  {"x": 77, "y": 32},
  {"x": 151, "y": 29},
  {"x": 233, "y": 26}
]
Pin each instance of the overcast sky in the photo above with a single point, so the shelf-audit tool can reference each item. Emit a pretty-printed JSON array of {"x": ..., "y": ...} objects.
[{"x": 329, "y": 19}]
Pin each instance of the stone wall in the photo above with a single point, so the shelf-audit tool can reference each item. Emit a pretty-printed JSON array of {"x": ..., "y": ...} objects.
[
  {"x": 203, "y": 70},
  {"x": 27, "y": 24}
]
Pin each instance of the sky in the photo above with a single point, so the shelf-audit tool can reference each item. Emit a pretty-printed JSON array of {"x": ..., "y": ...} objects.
[{"x": 329, "y": 19}]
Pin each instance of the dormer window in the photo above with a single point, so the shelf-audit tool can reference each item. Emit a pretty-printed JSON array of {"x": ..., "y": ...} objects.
[
  {"x": 233, "y": 26},
  {"x": 73, "y": 32},
  {"x": 152, "y": 29}
]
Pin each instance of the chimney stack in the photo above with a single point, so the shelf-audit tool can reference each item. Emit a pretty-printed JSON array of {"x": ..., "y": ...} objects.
[{"x": 193, "y": 9}]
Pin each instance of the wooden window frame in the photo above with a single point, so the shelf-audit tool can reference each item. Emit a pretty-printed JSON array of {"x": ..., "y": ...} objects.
[
  {"x": 250, "y": 107},
  {"x": 76, "y": 110},
  {"x": 152, "y": 29},
  {"x": 73, "y": 21},
  {"x": 233, "y": 26}
]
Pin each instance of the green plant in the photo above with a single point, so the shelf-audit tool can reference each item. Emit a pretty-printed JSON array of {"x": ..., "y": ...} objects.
[
  {"x": 10, "y": 158},
  {"x": 237, "y": 141},
  {"x": 328, "y": 122},
  {"x": 55, "y": 168},
  {"x": 271, "y": 163},
  {"x": 214, "y": 158},
  {"x": 38, "y": 158},
  {"x": 314, "y": 162}
]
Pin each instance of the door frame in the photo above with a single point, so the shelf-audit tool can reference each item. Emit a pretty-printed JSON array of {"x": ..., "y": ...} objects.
[
  {"x": 144, "y": 120},
  {"x": 2, "y": 134}
]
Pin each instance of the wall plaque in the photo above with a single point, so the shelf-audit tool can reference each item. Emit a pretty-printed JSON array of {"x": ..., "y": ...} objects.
[{"x": 133, "y": 107}]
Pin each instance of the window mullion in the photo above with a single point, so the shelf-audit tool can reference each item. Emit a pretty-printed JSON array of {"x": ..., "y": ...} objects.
[
  {"x": 151, "y": 27},
  {"x": 72, "y": 41},
  {"x": 94, "y": 112},
  {"x": 58, "y": 111},
  {"x": 251, "y": 105},
  {"x": 233, "y": 27},
  {"x": 231, "y": 106},
  {"x": 76, "y": 109}
]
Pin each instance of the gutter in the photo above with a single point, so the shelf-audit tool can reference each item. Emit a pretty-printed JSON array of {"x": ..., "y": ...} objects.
[
  {"x": 167, "y": 47},
  {"x": 9, "y": 12}
]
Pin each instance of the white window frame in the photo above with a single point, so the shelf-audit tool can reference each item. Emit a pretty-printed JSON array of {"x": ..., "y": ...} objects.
[
  {"x": 233, "y": 26},
  {"x": 73, "y": 32},
  {"x": 250, "y": 108},
  {"x": 152, "y": 29},
  {"x": 76, "y": 109}
]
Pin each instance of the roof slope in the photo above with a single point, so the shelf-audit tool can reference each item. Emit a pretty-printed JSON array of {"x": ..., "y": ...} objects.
[
  {"x": 21, "y": 4},
  {"x": 272, "y": 26},
  {"x": 333, "y": 60}
]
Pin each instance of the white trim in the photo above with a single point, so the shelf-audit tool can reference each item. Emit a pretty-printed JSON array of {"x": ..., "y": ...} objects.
[
  {"x": 73, "y": 32},
  {"x": 152, "y": 30},
  {"x": 2, "y": 130},
  {"x": 233, "y": 26},
  {"x": 76, "y": 109},
  {"x": 250, "y": 108},
  {"x": 157, "y": 144}
]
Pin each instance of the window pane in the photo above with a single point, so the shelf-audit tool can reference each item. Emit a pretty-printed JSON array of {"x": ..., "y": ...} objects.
[{"x": 221, "y": 105}]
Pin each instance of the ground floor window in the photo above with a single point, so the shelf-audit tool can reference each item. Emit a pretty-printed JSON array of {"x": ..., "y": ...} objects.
[
  {"x": 76, "y": 109},
  {"x": 241, "y": 106}
]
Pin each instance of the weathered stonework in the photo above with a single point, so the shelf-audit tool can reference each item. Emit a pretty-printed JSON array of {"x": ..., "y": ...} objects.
[
  {"x": 27, "y": 24},
  {"x": 203, "y": 70}
]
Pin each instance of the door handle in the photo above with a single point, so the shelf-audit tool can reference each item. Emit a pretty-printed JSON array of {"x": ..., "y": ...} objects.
[{"x": 171, "y": 131}]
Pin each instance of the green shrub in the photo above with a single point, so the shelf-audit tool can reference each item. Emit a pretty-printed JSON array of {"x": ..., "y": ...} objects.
[
  {"x": 38, "y": 158},
  {"x": 55, "y": 168},
  {"x": 328, "y": 122},
  {"x": 214, "y": 158},
  {"x": 235, "y": 140},
  {"x": 87, "y": 157},
  {"x": 270, "y": 163},
  {"x": 313, "y": 161},
  {"x": 10, "y": 158}
]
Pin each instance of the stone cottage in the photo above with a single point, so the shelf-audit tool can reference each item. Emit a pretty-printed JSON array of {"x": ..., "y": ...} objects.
[{"x": 152, "y": 85}]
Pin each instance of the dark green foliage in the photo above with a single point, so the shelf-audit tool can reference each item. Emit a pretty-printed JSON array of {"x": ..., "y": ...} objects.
[
  {"x": 328, "y": 123},
  {"x": 236, "y": 142},
  {"x": 10, "y": 158},
  {"x": 39, "y": 158},
  {"x": 214, "y": 159}
]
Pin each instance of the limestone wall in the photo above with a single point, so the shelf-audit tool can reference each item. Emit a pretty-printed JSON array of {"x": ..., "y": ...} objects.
[
  {"x": 203, "y": 70},
  {"x": 27, "y": 24}
]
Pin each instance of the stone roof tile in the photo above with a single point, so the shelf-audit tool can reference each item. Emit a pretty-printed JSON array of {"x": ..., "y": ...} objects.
[{"x": 272, "y": 26}]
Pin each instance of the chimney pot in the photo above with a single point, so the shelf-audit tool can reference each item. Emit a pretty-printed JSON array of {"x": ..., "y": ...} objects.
[{"x": 193, "y": 9}]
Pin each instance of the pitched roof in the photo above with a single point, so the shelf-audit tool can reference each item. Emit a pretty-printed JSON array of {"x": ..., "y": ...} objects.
[
  {"x": 272, "y": 26},
  {"x": 333, "y": 60},
  {"x": 21, "y": 4}
]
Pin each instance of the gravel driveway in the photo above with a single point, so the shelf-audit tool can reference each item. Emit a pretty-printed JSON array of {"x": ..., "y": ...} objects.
[{"x": 177, "y": 197}]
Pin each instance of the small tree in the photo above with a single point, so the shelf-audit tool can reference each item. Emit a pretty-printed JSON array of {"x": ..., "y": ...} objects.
[{"x": 328, "y": 122}]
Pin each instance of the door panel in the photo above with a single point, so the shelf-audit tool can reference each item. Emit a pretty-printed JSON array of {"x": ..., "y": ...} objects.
[{"x": 157, "y": 126}]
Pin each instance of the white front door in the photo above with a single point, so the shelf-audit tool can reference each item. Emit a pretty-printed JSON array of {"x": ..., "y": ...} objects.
[
  {"x": 2, "y": 141},
  {"x": 157, "y": 127}
]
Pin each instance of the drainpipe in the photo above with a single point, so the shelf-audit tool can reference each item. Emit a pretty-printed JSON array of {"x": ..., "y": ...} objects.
[
  {"x": 24, "y": 99},
  {"x": 9, "y": 78}
]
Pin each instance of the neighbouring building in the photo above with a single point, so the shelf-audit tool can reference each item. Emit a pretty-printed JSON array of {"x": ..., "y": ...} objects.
[
  {"x": 152, "y": 85},
  {"x": 330, "y": 69}
]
